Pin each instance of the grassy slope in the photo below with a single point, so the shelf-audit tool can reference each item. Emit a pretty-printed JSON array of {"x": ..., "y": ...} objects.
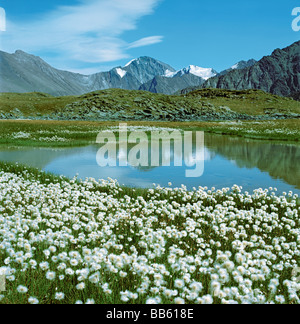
[
  {"x": 32, "y": 103},
  {"x": 252, "y": 102},
  {"x": 67, "y": 133}
]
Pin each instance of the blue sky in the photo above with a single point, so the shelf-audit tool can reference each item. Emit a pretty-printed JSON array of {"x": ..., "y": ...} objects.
[{"x": 95, "y": 35}]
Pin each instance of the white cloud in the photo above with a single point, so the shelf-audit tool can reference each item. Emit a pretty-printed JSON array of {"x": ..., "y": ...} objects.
[
  {"x": 88, "y": 32},
  {"x": 146, "y": 41},
  {"x": 2, "y": 20}
]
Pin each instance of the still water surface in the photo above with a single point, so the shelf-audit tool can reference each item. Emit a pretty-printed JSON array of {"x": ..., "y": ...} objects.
[{"x": 228, "y": 161}]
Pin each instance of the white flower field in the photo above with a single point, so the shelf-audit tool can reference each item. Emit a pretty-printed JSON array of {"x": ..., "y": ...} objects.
[{"x": 71, "y": 241}]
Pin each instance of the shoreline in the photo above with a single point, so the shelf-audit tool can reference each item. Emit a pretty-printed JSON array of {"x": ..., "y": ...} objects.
[{"x": 80, "y": 133}]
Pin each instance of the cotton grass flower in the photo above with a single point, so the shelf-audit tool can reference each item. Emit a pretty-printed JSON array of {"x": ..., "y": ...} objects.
[
  {"x": 179, "y": 301},
  {"x": 90, "y": 301},
  {"x": 151, "y": 301},
  {"x": 179, "y": 283},
  {"x": 80, "y": 286},
  {"x": 50, "y": 275},
  {"x": 167, "y": 245},
  {"x": 22, "y": 289},
  {"x": 59, "y": 296},
  {"x": 33, "y": 301}
]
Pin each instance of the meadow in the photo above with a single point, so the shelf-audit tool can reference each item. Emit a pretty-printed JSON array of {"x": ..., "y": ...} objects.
[
  {"x": 67, "y": 241},
  {"x": 79, "y": 133}
]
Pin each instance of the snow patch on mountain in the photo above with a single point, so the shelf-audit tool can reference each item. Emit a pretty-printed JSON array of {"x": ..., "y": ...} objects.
[
  {"x": 170, "y": 74},
  {"x": 204, "y": 73},
  {"x": 235, "y": 66},
  {"x": 130, "y": 62},
  {"x": 121, "y": 72}
]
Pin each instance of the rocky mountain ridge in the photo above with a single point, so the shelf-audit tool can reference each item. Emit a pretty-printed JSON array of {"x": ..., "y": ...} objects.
[
  {"x": 21, "y": 72},
  {"x": 278, "y": 74}
]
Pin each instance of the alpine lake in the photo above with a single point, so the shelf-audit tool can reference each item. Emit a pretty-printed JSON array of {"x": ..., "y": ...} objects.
[{"x": 225, "y": 161}]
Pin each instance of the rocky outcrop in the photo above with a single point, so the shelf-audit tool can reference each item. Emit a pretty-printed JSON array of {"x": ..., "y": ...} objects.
[
  {"x": 140, "y": 105},
  {"x": 145, "y": 110},
  {"x": 117, "y": 104}
]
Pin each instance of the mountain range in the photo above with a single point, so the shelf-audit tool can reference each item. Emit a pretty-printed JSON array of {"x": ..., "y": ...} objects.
[
  {"x": 22, "y": 72},
  {"x": 278, "y": 73}
]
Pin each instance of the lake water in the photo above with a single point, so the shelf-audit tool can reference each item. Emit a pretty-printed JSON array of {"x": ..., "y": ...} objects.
[{"x": 227, "y": 161}]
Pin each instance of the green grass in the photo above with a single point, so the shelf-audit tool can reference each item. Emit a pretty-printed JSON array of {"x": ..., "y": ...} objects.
[
  {"x": 277, "y": 130},
  {"x": 33, "y": 103},
  {"x": 31, "y": 174},
  {"x": 251, "y": 102},
  {"x": 75, "y": 134},
  {"x": 48, "y": 133}
]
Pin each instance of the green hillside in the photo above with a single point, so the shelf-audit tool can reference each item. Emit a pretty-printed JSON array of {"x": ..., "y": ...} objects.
[{"x": 115, "y": 104}]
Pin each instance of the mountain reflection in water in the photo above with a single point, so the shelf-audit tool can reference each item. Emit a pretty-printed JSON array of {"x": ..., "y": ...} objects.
[{"x": 227, "y": 161}]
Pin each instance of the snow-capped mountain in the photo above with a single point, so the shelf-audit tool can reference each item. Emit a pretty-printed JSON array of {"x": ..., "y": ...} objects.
[
  {"x": 204, "y": 73},
  {"x": 171, "y": 82},
  {"x": 146, "y": 68}
]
